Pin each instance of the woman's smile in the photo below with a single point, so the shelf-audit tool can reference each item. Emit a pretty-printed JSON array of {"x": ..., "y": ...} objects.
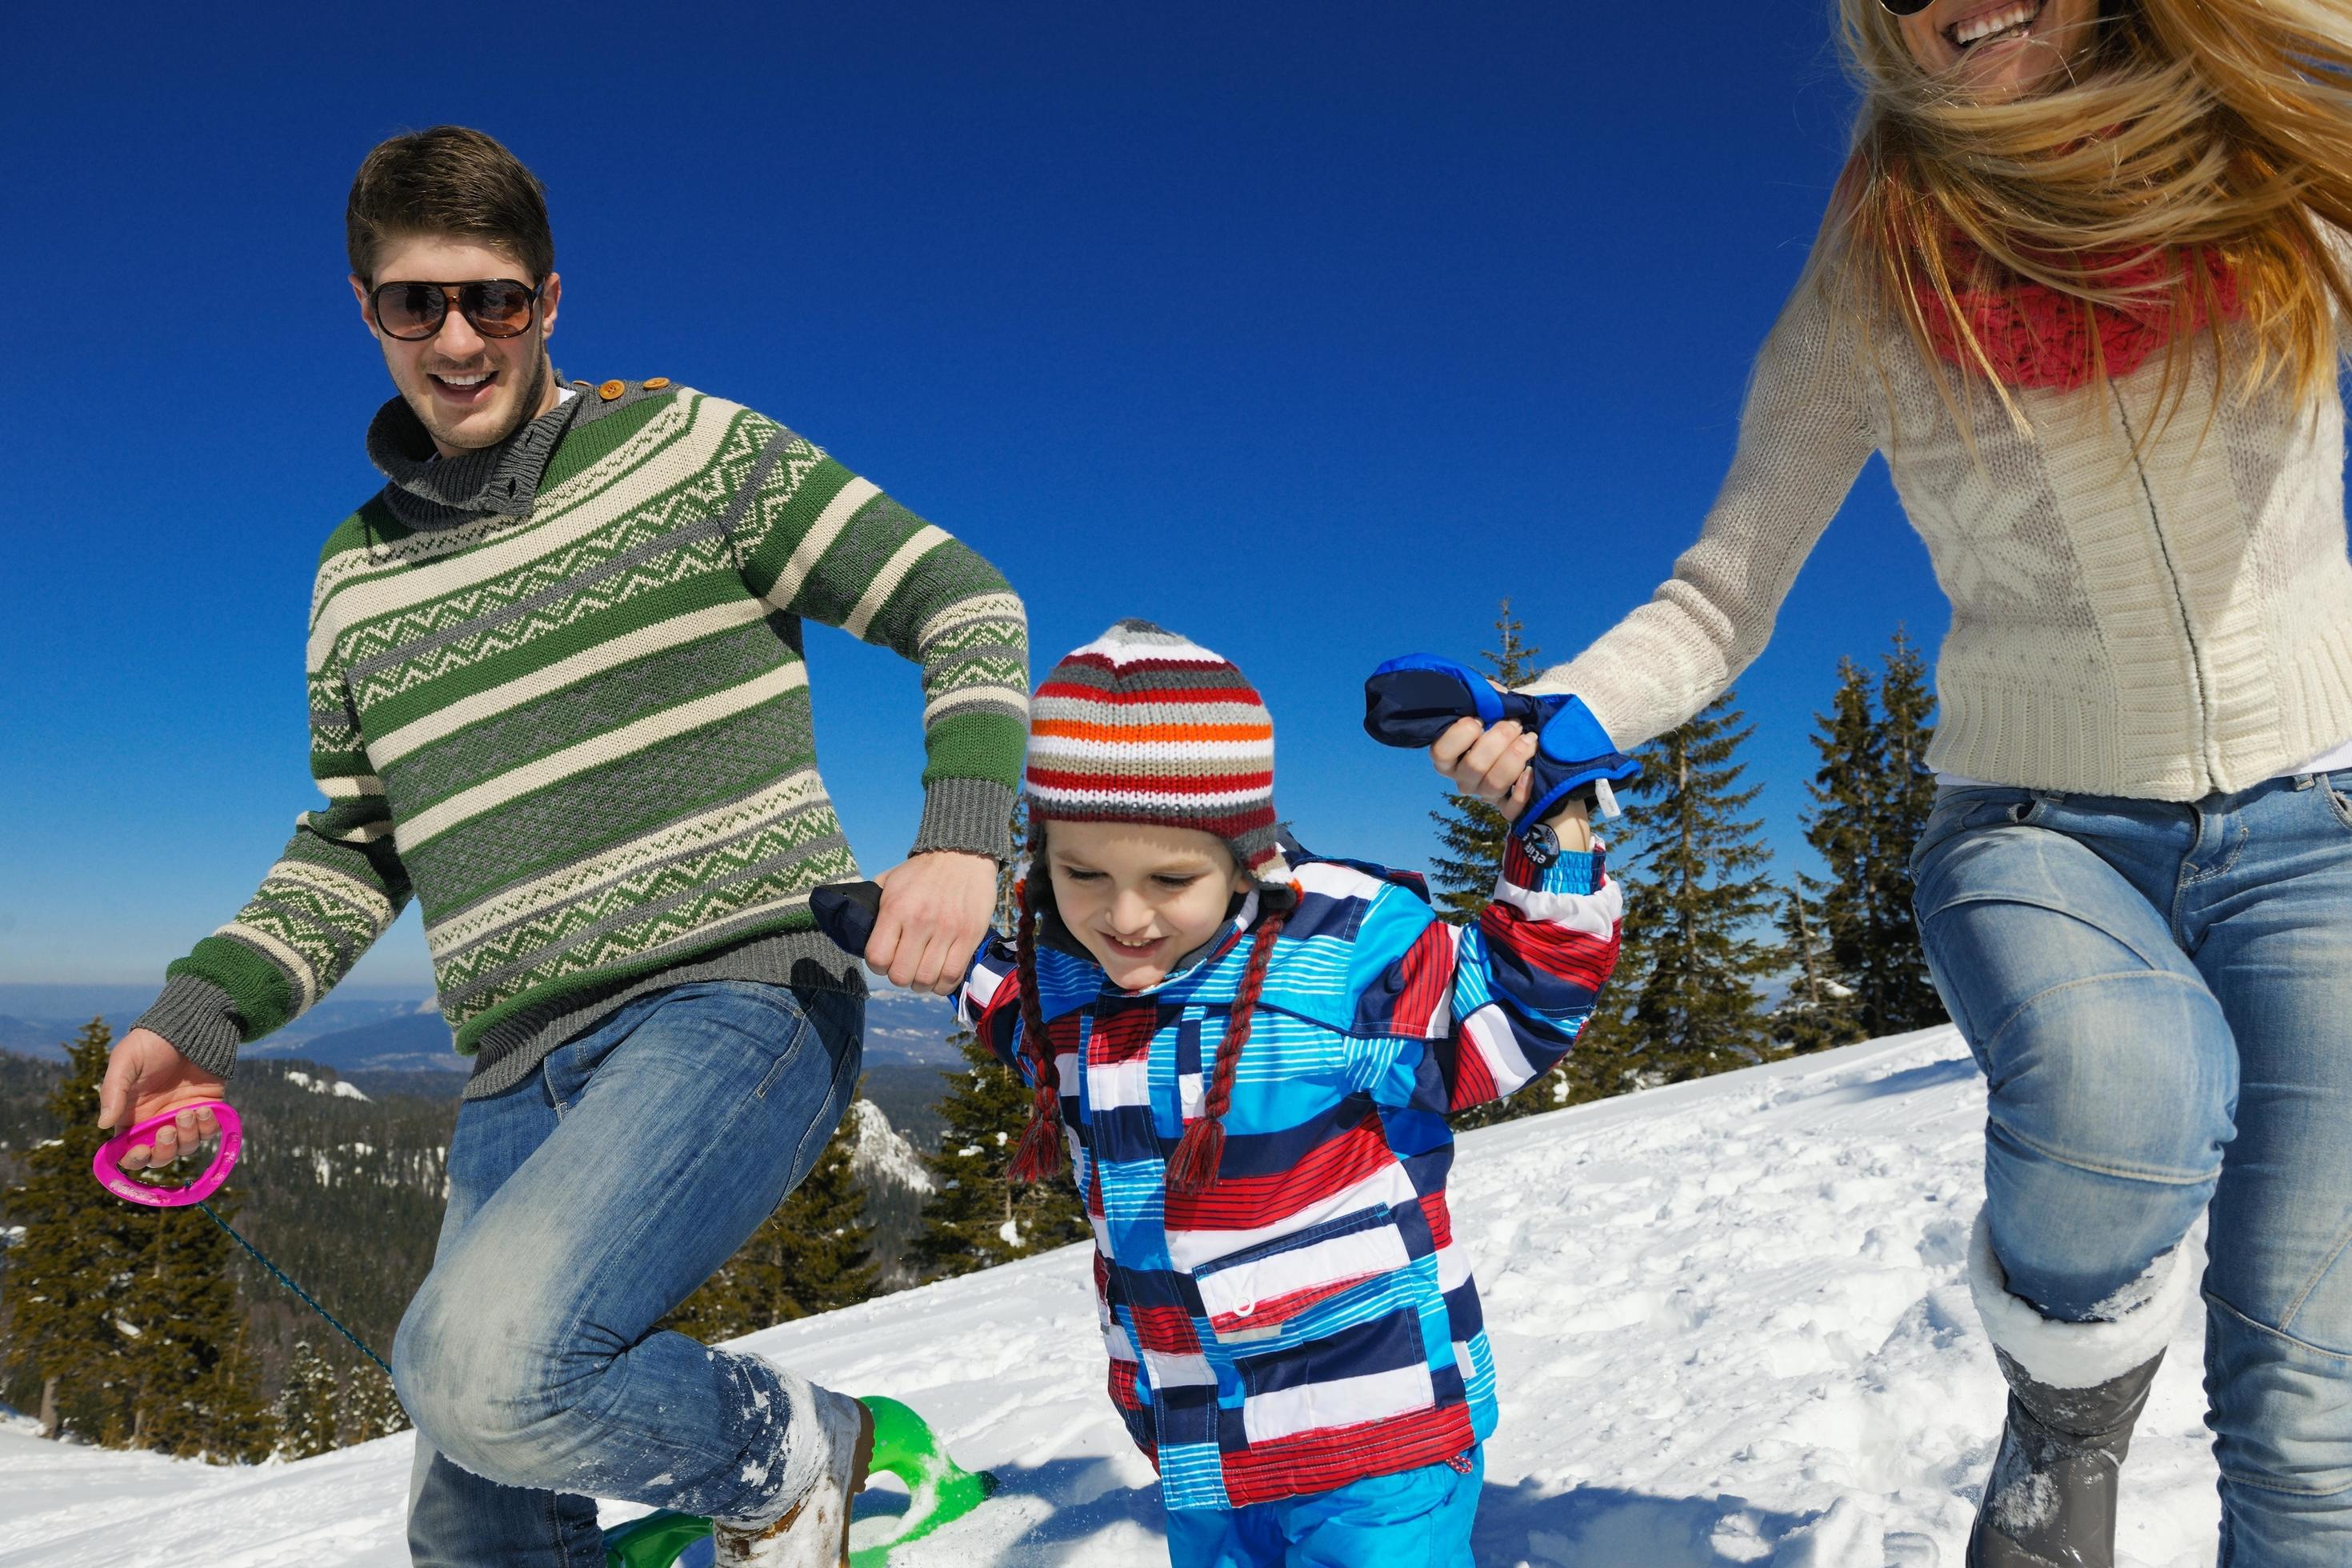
[
  {"x": 2005, "y": 22},
  {"x": 1999, "y": 50}
]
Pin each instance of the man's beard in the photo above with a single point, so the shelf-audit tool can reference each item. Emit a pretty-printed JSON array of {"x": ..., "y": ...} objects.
[{"x": 525, "y": 407}]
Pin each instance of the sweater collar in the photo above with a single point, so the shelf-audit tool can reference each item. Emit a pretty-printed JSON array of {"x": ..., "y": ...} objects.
[{"x": 429, "y": 491}]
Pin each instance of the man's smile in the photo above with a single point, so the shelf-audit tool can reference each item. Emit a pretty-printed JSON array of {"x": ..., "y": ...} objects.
[{"x": 464, "y": 388}]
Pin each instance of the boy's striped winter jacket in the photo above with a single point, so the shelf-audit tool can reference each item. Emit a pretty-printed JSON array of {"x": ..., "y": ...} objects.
[{"x": 1307, "y": 1321}]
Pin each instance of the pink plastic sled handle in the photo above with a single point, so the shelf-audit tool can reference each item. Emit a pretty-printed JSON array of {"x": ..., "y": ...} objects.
[{"x": 106, "y": 1164}]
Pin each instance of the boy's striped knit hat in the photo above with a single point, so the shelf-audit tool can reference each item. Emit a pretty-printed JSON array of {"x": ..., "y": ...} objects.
[{"x": 1142, "y": 725}]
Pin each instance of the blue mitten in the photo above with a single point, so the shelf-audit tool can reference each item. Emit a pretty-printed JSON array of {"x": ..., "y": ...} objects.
[{"x": 1410, "y": 701}]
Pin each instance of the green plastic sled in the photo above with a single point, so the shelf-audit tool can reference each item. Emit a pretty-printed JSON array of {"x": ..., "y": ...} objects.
[{"x": 904, "y": 1444}]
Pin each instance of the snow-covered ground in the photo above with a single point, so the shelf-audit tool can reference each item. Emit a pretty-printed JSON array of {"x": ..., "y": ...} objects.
[{"x": 1728, "y": 1316}]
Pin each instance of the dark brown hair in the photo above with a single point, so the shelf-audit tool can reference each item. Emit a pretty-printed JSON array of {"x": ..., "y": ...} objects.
[{"x": 447, "y": 180}]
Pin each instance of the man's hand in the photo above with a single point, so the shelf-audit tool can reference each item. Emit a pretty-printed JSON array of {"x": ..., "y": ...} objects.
[
  {"x": 935, "y": 909},
  {"x": 146, "y": 1076},
  {"x": 1491, "y": 764}
]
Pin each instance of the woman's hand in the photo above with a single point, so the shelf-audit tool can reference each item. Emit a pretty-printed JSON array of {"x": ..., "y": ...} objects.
[
  {"x": 1488, "y": 763},
  {"x": 1492, "y": 765}
]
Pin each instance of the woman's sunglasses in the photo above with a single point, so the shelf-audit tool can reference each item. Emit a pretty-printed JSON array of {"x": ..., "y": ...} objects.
[
  {"x": 494, "y": 306},
  {"x": 1906, "y": 7}
]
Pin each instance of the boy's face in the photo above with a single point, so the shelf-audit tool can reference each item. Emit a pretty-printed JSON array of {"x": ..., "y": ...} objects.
[
  {"x": 469, "y": 389},
  {"x": 1141, "y": 898}
]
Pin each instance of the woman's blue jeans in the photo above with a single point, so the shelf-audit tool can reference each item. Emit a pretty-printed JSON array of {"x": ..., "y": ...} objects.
[
  {"x": 2161, "y": 996},
  {"x": 584, "y": 1203}
]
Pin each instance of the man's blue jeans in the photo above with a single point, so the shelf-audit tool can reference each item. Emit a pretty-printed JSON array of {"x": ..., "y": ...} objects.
[
  {"x": 584, "y": 1203},
  {"x": 2161, "y": 996}
]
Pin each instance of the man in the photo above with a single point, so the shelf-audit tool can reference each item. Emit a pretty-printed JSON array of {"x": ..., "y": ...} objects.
[{"x": 557, "y": 696}]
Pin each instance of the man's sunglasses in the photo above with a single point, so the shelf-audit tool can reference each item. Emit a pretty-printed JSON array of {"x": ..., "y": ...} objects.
[{"x": 494, "y": 306}]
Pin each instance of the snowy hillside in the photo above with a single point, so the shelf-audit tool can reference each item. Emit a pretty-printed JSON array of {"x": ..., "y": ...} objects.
[{"x": 1728, "y": 1319}]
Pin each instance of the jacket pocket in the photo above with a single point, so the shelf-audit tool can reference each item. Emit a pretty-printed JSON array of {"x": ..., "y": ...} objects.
[{"x": 1252, "y": 1294}]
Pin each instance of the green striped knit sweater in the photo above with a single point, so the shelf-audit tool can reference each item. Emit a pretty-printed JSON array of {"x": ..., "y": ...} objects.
[{"x": 557, "y": 696}]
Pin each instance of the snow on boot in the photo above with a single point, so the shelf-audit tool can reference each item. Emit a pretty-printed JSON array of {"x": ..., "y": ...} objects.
[
  {"x": 2049, "y": 1502},
  {"x": 2075, "y": 1390},
  {"x": 830, "y": 1439}
]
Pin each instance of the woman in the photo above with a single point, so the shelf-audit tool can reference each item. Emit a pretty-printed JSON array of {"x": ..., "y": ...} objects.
[{"x": 2082, "y": 284}]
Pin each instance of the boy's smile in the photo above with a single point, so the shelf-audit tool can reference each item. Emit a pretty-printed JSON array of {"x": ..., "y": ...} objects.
[{"x": 1141, "y": 898}]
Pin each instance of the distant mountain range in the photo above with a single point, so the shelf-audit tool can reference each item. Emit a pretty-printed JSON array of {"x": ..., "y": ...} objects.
[
  {"x": 404, "y": 1033},
  {"x": 36, "y": 1020}
]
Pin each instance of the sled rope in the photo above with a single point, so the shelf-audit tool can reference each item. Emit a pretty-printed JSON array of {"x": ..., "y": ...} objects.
[{"x": 279, "y": 1274}]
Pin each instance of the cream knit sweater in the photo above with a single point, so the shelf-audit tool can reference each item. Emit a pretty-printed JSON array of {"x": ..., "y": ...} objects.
[{"x": 2163, "y": 625}]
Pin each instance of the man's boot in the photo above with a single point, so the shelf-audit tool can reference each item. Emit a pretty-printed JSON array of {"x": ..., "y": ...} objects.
[
  {"x": 2049, "y": 1502},
  {"x": 2074, "y": 1391},
  {"x": 832, "y": 1439}
]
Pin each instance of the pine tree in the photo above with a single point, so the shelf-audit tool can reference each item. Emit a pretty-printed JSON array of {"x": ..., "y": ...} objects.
[
  {"x": 1470, "y": 832},
  {"x": 1870, "y": 800},
  {"x": 73, "y": 1268},
  {"x": 193, "y": 1390},
  {"x": 1818, "y": 1012},
  {"x": 371, "y": 1409},
  {"x": 1906, "y": 709},
  {"x": 809, "y": 1256},
  {"x": 307, "y": 1408},
  {"x": 975, "y": 1218},
  {"x": 128, "y": 1317},
  {"x": 1693, "y": 1007},
  {"x": 235, "y": 1423}
]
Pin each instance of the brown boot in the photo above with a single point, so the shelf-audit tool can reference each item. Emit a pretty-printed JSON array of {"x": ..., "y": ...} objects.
[{"x": 815, "y": 1531}]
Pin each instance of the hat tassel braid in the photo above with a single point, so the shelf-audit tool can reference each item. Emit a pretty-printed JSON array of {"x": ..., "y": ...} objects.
[
  {"x": 1038, "y": 1156},
  {"x": 1192, "y": 1168}
]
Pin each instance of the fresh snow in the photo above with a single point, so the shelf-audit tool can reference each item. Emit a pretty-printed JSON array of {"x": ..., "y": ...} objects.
[
  {"x": 335, "y": 1087},
  {"x": 1729, "y": 1317}
]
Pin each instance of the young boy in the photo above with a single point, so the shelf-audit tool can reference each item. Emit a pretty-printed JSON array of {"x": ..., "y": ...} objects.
[{"x": 1254, "y": 1051}]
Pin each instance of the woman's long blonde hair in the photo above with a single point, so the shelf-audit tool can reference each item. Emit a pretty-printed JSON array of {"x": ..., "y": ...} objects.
[{"x": 2191, "y": 129}]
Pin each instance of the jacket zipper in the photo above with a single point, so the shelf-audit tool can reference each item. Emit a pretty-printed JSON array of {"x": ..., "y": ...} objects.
[{"x": 2198, "y": 684}]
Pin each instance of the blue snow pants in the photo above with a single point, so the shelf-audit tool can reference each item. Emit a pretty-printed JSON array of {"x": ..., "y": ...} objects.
[
  {"x": 1415, "y": 1518},
  {"x": 2160, "y": 996}
]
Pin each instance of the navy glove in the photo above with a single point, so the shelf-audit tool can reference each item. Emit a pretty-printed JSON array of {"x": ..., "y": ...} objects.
[
  {"x": 1410, "y": 701},
  {"x": 846, "y": 912}
]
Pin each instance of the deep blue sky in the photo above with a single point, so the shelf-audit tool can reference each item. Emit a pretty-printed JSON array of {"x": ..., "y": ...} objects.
[{"x": 1310, "y": 329}]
